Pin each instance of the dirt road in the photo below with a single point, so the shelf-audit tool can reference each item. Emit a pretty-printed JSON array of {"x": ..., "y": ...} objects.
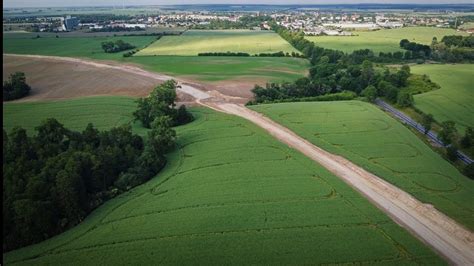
[
  {"x": 436, "y": 229},
  {"x": 450, "y": 239}
]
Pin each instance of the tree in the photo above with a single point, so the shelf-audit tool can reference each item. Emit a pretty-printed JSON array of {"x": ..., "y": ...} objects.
[
  {"x": 452, "y": 153},
  {"x": 404, "y": 43},
  {"x": 183, "y": 116},
  {"x": 162, "y": 137},
  {"x": 370, "y": 92},
  {"x": 404, "y": 99},
  {"x": 15, "y": 87},
  {"x": 427, "y": 121},
  {"x": 160, "y": 102},
  {"x": 447, "y": 133},
  {"x": 469, "y": 170},
  {"x": 468, "y": 139}
]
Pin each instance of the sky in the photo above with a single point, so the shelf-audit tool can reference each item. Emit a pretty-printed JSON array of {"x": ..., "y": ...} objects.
[{"x": 59, "y": 3}]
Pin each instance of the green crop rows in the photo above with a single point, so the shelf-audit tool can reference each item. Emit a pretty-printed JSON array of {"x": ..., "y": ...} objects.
[
  {"x": 230, "y": 194},
  {"x": 455, "y": 100},
  {"x": 199, "y": 41},
  {"x": 371, "y": 139}
]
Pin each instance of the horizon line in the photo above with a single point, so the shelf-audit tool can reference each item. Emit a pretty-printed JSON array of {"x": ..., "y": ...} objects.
[{"x": 232, "y": 4}]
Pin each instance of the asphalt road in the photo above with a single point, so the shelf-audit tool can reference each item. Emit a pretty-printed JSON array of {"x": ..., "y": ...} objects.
[{"x": 407, "y": 120}]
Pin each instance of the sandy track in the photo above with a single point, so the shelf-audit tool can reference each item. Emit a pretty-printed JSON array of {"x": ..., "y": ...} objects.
[{"x": 450, "y": 239}]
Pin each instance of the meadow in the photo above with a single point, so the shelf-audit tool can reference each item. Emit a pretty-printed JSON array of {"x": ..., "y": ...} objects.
[
  {"x": 104, "y": 112},
  {"x": 386, "y": 40},
  {"x": 193, "y": 42},
  {"x": 216, "y": 68},
  {"x": 203, "y": 68},
  {"x": 230, "y": 193},
  {"x": 89, "y": 47},
  {"x": 373, "y": 140},
  {"x": 455, "y": 100}
]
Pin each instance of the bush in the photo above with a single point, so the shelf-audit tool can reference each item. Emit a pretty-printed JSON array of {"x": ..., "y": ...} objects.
[
  {"x": 469, "y": 170},
  {"x": 404, "y": 99},
  {"x": 118, "y": 46},
  {"x": 15, "y": 87}
]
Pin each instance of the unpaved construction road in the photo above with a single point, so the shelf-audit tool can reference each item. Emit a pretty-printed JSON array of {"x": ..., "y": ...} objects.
[{"x": 450, "y": 239}]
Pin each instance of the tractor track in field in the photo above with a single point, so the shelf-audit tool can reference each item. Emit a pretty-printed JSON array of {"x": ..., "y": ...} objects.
[{"x": 447, "y": 237}]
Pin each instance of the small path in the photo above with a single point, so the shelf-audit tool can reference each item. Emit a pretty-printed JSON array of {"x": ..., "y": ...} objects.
[{"x": 409, "y": 121}]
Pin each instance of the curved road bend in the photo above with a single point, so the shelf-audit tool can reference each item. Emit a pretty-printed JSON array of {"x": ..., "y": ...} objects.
[{"x": 450, "y": 239}]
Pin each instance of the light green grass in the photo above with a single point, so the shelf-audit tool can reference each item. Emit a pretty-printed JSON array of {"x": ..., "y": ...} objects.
[
  {"x": 103, "y": 112},
  {"x": 382, "y": 40},
  {"x": 198, "y": 41},
  {"x": 467, "y": 25},
  {"x": 231, "y": 194},
  {"x": 89, "y": 47},
  {"x": 455, "y": 100},
  {"x": 215, "y": 68},
  {"x": 365, "y": 135},
  {"x": 204, "y": 68}
]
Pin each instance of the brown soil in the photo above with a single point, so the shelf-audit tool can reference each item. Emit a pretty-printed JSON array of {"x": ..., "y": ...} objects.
[
  {"x": 52, "y": 79},
  {"x": 238, "y": 87}
]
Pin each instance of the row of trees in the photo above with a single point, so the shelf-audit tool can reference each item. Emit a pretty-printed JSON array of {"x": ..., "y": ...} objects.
[
  {"x": 15, "y": 87},
  {"x": 417, "y": 50},
  {"x": 451, "y": 49},
  {"x": 332, "y": 72},
  {"x": 53, "y": 179},
  {"x": 449, "y": 136},
  {"x": 117, "y": 46},
  {"x": 276, "y": 54},
  {"x": 458, "y": 41}
]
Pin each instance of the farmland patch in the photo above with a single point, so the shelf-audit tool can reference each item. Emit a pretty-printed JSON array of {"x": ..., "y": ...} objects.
[
  {"x": 393, "y": 153},
  {"x": 261, "y": 204}
]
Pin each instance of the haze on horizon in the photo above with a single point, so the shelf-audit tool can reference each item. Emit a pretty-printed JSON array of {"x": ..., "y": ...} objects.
[{"x": 75, "y": 3}]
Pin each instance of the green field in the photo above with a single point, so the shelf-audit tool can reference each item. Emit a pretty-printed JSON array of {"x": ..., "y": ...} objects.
[
  {"x": 103, "y": 112},
  {"x": 381, "y": 40},
  {"x": 215, "y": 68},
  {"x": 455, "y": 100},
  {"x": 204, "y": 68},
  {"x": 230, "y": 194},
  {"x": 193, "y": 42},
  {"x": 89, "y": 47},
  {"x": 365, "y": 135}
]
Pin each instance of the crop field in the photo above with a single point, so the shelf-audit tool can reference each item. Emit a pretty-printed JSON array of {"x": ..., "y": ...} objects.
[
  {"x": 193, "y": 42},
  {"x": 455, "y": 100},
  {"x": 230, "y": 193},
  {"x": 365, "y": 135},
  {"x": 73, "y": 46},
  {"x": 381, "y": 40},
  {"x": 103, "y": 112},
  {"x": 202, "y": 68},
  {"x": 215, "y": 68}
]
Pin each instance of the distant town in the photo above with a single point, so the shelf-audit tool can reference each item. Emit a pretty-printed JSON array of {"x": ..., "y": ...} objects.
[{"x": 311, "y": 22}]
